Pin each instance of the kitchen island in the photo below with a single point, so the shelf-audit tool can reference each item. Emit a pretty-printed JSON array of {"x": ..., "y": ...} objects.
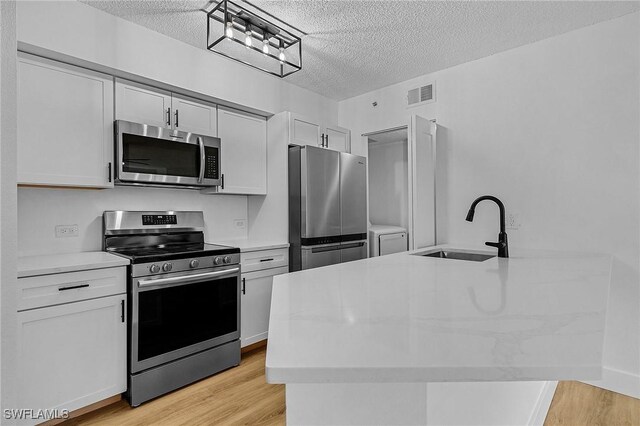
[{"x": 407, "y": 339}]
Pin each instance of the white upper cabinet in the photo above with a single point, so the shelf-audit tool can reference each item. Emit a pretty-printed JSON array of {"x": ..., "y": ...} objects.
[
  {"x": 65, "y": 125},
  {"x": 304, "y": 131},
  {"x": 337, "y": 138},
  {"x": 140, "y": 105},
  {"x": 156, "y": 107},
  {"x": 194, "y": 116},
  {"x": 243, "y": 149}
]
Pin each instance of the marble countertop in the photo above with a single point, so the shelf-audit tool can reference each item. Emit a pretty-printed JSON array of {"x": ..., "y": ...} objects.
[
  {"x": 69, "y": 262},
  {"x": 246, "y": 245},
  {"x": 538, "y": 315}
]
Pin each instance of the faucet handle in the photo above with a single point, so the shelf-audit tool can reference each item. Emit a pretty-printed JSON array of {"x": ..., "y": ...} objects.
[{"x": 498, "y": 245}]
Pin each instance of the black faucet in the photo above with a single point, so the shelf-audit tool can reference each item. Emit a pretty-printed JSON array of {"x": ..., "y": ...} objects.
[{"x": 501, "y": 245}]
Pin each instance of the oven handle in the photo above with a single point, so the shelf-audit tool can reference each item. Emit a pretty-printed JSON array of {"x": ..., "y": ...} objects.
[
  {"x": 202, "y": 160},
  {"x": 186, "y": 279}
]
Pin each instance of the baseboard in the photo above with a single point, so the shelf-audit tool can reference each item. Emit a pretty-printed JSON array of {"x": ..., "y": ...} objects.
[
  {"x": 618, "y": 381},
  {"x": 84, "y": 410},
  {"x": 541, "y": 408},
  {"x": 254, "y": 346}
]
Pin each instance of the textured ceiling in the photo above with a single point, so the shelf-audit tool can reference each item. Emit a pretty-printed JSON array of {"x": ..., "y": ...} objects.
[{"x": 357, "y": 46}]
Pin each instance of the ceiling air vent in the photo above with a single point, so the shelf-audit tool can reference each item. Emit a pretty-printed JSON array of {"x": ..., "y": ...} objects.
[{"x": 421, "y": 95}]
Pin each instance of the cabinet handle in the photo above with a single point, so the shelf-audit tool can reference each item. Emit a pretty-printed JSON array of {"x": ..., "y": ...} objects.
[
  {"x": 72, "y": 287},
  {"x": 266, "y": 260},
  {"x": 169, "y": 117},
  {"x": 322, "y": 140},
  {"x": 244, "y": 290},
  {"x": 222, "y": 181},
  {"x": 109, "y": 171},
  {"x": 326, "y": 140},
  {"x": 122, "y": 306},
  {"x": 176, "y": 119}
]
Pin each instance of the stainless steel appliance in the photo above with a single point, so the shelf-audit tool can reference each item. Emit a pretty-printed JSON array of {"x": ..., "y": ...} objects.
[
  {"x": 327, "y": 207},
  {"x": 184, "y": 300},
  {"x": 148, "y": 155}
]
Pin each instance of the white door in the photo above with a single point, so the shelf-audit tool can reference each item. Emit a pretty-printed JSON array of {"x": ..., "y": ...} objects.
[
  {"x": 422, "y": 183},
  {"x": 255, "y": 304},
  {"x": 190, "y": 115},
  {"x": 303, "y": 131},
  {"x": 140, "y": 104},
  {"x": 243, "y": 149},
  {"x": 337, "y": 138},
  {"x": 72, "y": 355},
  {"x": 65, "y": 125}
]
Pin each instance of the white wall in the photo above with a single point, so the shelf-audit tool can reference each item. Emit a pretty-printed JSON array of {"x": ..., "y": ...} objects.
[
  {"x": 551, "y": 128},
  {"x": 86, "y": 36},
  {"x": 8, "y": 150},
  {"x": 388, "y": 184}
]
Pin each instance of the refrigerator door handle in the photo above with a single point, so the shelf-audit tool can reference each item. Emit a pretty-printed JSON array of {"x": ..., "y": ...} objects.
[
  {"x": 327, "y": 247},
  {"x": 352, "y": 245}
]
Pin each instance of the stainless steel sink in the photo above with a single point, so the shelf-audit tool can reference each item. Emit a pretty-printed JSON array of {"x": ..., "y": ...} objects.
[{"x": 457, "y": 255}]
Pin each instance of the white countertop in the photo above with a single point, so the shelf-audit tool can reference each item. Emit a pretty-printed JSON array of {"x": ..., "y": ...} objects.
[
  {"x": 246, "y": 245},
  {"x": 69, "y": 262},
  {"x": 538, "y": 315}
]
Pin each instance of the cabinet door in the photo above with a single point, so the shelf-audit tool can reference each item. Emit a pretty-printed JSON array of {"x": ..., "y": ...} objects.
[
  {"x": 65, "y": 125},
  {"x": 72, "y": 355},
  {"x": 303, "y": 131},
  {"x": 243, "y": 139},
  {"x": 140, "y": 104},
  {"x": 337, "y": 138},
  {"x": 255, "y": 304},
  {"x": 194, "y": 116}
]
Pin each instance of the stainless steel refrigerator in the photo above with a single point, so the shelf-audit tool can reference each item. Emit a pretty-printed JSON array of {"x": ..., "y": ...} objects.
[{"x": 327, "y": 207}]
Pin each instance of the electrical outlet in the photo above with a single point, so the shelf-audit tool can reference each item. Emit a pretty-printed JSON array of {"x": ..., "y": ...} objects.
[
  {"x": 240, "y": 223},
  {"x": 513, "y": 221},
  {"x": 65, "y": 231}
]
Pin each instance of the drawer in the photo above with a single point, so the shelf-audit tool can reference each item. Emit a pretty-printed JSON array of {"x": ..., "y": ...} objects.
[
  {"x": 54, "y": 289},
  {"x": 264, "y": 259}
]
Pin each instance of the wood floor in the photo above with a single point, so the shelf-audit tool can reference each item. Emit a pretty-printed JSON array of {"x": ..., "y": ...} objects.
[{"x": 241, "y": 396}]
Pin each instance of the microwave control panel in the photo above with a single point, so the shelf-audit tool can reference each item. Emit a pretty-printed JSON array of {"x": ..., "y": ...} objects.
[{"x": 211, "y": 163}]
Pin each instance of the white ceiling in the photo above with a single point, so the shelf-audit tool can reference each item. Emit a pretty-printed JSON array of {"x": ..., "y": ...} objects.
[{"x": 357, "y": 46}]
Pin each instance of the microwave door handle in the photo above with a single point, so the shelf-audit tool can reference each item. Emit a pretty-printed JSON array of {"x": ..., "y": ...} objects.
[{"x": 202, "y": 159}]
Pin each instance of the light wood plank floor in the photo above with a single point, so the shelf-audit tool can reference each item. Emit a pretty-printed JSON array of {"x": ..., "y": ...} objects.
[{"x": 241, "y": 396}]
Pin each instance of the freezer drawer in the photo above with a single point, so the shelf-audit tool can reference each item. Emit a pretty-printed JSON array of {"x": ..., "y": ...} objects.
[
  {"x": 353, "y": 251},
  {"x": 317, "y": 256},
  {"x": 330, "y": 254}
]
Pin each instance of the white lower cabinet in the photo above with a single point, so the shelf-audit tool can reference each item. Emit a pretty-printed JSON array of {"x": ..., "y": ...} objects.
[
  {"x": 72, "y": 355},
  {"x": 255, "y": 302}
]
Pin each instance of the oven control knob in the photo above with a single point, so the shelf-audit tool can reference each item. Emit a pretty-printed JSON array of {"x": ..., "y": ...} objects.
[
  {"x": 226, "y": 259},
  {"x": 217, "y": 260},
  {"x": 167, "y": 267},
  {"x": 154, "y": 269},
  {"x": 194, "y": 263}
]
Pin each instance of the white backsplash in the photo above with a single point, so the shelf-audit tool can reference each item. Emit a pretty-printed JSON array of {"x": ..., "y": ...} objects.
[{"x": 40, "y": 210}]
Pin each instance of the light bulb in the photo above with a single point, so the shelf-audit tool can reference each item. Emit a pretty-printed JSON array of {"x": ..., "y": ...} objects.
[
  {"x": 265, "y": 46},
  {"x": 247, "y": 39},
  {"x": 281, "y": 55},
  {"x": 229, "y": 29}
]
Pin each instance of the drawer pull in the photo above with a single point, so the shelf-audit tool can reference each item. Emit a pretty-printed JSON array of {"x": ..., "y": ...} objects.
[
  {"x": 71, "y": 287},
  {"x": 267, "y": 260}
]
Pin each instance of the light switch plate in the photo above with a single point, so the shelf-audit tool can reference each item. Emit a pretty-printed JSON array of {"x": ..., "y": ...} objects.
[
  {"x": 240, "y": 223},
  {"x": 65, "y": 231},
  {"x": 513, "y": 221}
]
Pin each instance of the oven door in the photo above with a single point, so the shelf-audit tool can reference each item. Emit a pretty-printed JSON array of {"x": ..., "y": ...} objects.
[
  {"x": 175, "y": 315},
  {"x": 158, "y": 156}
]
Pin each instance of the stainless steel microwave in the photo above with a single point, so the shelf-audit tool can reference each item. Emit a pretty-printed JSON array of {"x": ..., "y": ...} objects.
[{"x": 149, "y": 155}]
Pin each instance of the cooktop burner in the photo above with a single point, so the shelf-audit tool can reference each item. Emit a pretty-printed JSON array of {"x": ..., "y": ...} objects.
[{"x": 172, "y": 252}]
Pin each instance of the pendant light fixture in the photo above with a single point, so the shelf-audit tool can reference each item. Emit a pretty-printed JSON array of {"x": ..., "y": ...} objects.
[{"x": 275, "y": 48}]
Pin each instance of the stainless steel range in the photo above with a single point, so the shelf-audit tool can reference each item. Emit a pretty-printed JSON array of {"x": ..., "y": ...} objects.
[{"x": 184, "y": 299}]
